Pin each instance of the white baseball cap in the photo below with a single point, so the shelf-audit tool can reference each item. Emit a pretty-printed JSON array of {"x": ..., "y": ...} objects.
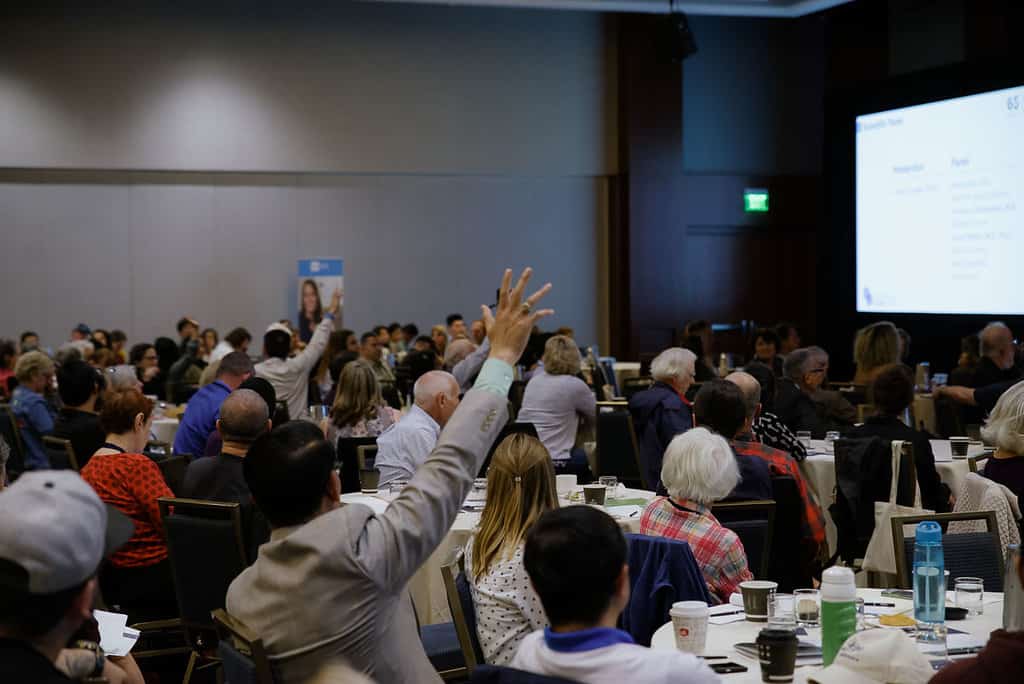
[
  {"x": 55, "y": 532},
  {"x": 877, "y": 655},
  {"x": 279, "y": 327}
]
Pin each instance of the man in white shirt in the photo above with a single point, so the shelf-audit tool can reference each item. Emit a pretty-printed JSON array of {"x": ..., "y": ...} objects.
[
  {"x": 236, "y": 340},
  {"x": 290, "y": 376},
  {"x": 404, "y": 446},
  {"x": 576, "y": 559}
]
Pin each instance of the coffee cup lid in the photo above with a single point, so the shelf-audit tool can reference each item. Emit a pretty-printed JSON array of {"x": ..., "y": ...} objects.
[{"x": 689, "y": 608}]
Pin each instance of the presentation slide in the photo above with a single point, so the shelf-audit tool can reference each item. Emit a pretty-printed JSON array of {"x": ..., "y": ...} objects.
[{"x": 940, "y": 221}]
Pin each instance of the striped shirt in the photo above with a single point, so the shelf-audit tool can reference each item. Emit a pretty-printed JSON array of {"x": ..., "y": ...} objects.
[{"x": 771, "y": 431}]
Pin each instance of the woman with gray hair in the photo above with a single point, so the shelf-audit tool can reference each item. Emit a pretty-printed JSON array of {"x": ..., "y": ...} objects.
[
  {"x": 662, "y": 411},
  {"x": 1004, "y": 429},
  {"x": 556, "y": 400},
  {"x": 699, "y": 469}
]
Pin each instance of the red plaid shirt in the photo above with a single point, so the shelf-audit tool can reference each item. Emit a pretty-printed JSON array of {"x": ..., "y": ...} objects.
[
  {"x": 780, "y": 463},
  {"x": 718, "y": 550}
]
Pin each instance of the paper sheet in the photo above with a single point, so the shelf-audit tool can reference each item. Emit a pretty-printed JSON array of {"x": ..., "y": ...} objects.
[{"x": 116, "y": 638}]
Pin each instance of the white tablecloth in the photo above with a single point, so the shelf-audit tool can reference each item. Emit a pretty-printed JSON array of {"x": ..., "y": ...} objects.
[
  {"x": 721, "y": 638},
  {"x": 427, "y": 587},
  {"x": 164, "y": 429},
  {"x": 819, "y": 471}
]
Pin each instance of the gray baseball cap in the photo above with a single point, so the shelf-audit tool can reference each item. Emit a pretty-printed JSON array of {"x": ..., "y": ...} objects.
[{"x": 55, "y": 532}]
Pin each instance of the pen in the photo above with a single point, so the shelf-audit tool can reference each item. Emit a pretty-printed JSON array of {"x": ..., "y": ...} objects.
[
  {"x": 633, "y": 514},
  {"x": 734, "y": 612},
  {"x": 881, "y": 604}
]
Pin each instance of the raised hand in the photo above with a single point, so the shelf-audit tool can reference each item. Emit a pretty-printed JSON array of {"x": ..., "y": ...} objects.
[{"x": 509, "y": 327}]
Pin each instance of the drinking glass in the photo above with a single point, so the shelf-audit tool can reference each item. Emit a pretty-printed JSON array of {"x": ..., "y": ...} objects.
[
  {"x": 807, "y": 606},
  {"x": 970, "y": 594},
  {"x": 830, "y": 438},
  {"x": 780, "y": 612},
  {"x": 804, "y": 437},
  {"x": 611, "y": 483}
]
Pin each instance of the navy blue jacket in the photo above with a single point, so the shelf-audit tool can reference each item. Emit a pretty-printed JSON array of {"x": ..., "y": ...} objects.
[{"x": 659, "y": 414}]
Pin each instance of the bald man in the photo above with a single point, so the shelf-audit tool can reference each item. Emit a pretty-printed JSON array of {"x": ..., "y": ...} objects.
[
  {"x": 244, "y": 416},
  {"x": 403, "y": 447}
]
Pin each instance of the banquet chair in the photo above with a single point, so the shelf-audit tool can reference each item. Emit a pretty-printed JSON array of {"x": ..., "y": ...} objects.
[
  {"x": 788, "y": 561},
  {"x": 460, "y": 603},
  {"x": 631, "y": 386},
  {"x": 12, "y": 435},
  {"x": 617, "y": 451},
  {"x": 662, "y": 571},
  {"x": 863, "y": 474},
  {"x": 173, "y": 470},
  {"x": 494, "y": 674},
  {"x": 61, "y": 453},
  {"x": 442, "y": 646},
  {"x": 348, "y": 461},
  {"x": 366, "y": 456},
  {"x": 971, "y": 554},
  {"x": 242, "y": 653},
  {"x": 754, "y": 523},
  {"x": 972, "y": 462},
  {"x": 515, "y": 395},
  {"x": 206, "y": 553}
]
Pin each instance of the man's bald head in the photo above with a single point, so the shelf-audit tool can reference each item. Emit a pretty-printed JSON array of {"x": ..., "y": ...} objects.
[
  {"x": 750, "y": 388},
  {"x": 243, "y": 417},
  {"x": 437, "y": 393}
]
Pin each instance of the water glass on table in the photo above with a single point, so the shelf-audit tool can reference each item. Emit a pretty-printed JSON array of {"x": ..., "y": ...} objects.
[
  {"x": 781, "y": 612},
  {"x": 804, "y": 437},
  {"x": 611, "y": 483},
  {"x": 807, "y": 606},
  {"x": 970, "y": 594}
]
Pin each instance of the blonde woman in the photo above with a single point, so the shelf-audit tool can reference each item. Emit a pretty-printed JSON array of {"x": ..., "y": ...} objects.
[
  {"x": 555, "y": 401},
  {"x": 1004, "y": 429},
  {"x": 875, "y": 347},
  {"x": 520, "y": 487},
  {"x": 359, "y": 409}
]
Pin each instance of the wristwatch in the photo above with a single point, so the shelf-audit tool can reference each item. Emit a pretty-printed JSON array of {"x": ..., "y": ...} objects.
[{"x": 95, "y": 648}]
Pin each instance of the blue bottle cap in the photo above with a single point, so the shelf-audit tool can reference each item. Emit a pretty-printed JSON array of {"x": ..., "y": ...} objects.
[{"x": 928, "y": 532}]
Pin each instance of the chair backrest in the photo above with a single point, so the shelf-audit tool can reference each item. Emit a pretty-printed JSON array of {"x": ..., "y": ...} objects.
[
  {"x": 787, "y": 561},
  {"x": 61, "y": 453},
  {"x": 204, "y": 540},
  {"x": 11, "y": 435},
  {"x": 515, "y": 395},
  {"x": 863, "y": 472},
  {"x": 173, "y": 469},
  {"x": 509, "y": 429},
  {"x": 242, "y": 653},
  {"x": 494, "y": 674},
  {"x": 631, "y": 386},
  {"x": 973, "y": 461},
  {"x": 972, "y": 554},
  {"x": 348, "y": 460},
  {"x": 754, "y": 523},
  {"x": 617, "y": 451},
  {"x": 366, "y": 456},
  {"x": 460, "y": 603}
]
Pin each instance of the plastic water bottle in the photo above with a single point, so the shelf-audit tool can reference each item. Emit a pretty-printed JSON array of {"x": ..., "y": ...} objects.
[
  {"x": 929, "y": 581},
  {"x": 838, "y": 610}
]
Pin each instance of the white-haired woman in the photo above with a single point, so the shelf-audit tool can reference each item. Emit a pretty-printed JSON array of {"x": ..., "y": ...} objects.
[
  {"x": 662, "y": 411},
  {"x": 1004, "y": 429},
  {"x": 699, "y": 469}
]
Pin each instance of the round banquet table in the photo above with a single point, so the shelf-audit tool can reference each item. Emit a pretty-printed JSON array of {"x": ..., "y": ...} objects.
[
  {"x": 819, "y": 470},
  {"x": 164, "y": 429},
  {"x": 427, "y": 586},
  {"x": 721, "y": 638}
]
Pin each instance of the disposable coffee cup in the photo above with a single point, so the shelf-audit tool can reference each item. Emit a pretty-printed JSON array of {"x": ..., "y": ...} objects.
[
  {"x": 756, "y": 598},
  {"x": 369, "y": 480},
  {"x": 958, "y": 446},
  {"x": 594, "y": 494},
  {"x": 690, "y": 625},
  {"x": 565, "y": 483},
  {"x": 776, "y": 650}
]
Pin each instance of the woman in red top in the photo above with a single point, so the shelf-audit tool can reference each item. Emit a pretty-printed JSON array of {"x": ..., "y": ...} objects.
[{"x": 137, "y": 578}]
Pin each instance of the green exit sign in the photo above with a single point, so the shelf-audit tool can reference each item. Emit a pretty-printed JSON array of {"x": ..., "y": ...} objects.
[{"x": 755, "y": 200}]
